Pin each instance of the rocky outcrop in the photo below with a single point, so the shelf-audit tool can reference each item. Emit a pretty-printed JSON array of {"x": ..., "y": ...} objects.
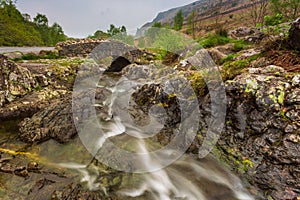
[
  {"x": 28, "y": 87},
  {"x": 30, "y": 104},
  {"x": 262, "y": 130},
  {"x": 55, "y": 121},
  {"x": 15, "y": 81},
  {"x": 241, "y": 32},
  {"x": 294, "y": 34},
  {"x": 261, "y": 136}
]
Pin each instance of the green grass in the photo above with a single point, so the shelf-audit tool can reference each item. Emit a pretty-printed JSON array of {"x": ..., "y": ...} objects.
[
  {"x": 214, "y": 40},
  {"x": 32, "y": 56},
  {"x": 239, "y": 45},
  {"x": 228, "y": 58}
]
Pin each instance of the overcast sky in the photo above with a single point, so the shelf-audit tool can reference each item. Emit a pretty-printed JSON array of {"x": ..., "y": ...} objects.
[{"x": 79, "y": 18}]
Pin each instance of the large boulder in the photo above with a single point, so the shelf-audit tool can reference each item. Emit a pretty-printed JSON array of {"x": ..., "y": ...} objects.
[{"x": 53, "y": 122}]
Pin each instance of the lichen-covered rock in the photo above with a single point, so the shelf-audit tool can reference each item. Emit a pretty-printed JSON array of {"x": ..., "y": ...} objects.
[
  {"x": 241, "y": 32},
  {"x": 262, "y": 130},
  {"x": 15, "y": 81},
  {"x": 54, "y": 121}
]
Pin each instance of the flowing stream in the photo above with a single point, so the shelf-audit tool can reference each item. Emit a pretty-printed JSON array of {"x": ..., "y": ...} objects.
[
  {"x": 124, "y": 140},
  {"x": 126, "y": 128}
]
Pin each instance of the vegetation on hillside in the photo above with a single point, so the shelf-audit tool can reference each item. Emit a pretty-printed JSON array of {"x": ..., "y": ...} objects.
[
  {"x": 17, "y": 29},
  {"x": 117, "y": 33}
]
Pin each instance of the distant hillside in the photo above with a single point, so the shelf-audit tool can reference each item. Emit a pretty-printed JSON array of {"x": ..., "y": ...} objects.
[
  {"x": 204, "y": 9},
  {"x": 17, "y": 29}
]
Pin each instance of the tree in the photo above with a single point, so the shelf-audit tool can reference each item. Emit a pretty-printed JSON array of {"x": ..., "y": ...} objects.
[
  {"x": 26, "y": 17},
  {"x": 120, "y": 34},
  {"x": 157, "y": 24},
  {"x": 100, "y": 35},
  {"x": 56, "y": 34},
  {"x": 16, "y": 29},
  {"x": 192, "y": 23},
  {"x": 289, "y": 9},
  {"x": 258, "y": 11},
  {"x": 113, "y": 30},
  {"x": 40, "y": 20},
  {"x": 178, "y": 21}
]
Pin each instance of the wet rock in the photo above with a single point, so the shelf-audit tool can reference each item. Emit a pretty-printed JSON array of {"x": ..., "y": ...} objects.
[
  {"x": 55, "y": 121},
  {"x": 32, "y": 166},
  {"x": 294, "y": 34}
]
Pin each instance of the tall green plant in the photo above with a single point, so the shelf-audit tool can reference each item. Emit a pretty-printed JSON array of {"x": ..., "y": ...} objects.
[{"x": 178, "y": 21}]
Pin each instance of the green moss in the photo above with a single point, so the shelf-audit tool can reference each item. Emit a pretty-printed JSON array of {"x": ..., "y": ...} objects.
[
  {"x": 232, "y": 69},
  {"x": 198, "y": 83},
  {"x": 228, "y": 58},
  {"x": 268, "y": 78},
  {"x": 170, "y": 96},
  {"x": 247, "y": 163},
  {"x": 115, "y": 181},
  {"x": 281, "y": 97},
  {"x": 254, "y": 57},
  {"x": 233, "y": 158},
  {"x": 32, "y": 56}
]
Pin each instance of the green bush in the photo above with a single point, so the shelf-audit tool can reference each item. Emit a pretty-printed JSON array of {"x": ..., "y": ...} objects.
[{"x": 273, "y": 20}]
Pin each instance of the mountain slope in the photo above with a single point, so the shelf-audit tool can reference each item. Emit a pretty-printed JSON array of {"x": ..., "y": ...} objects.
[{"x": 203, "y": 8}]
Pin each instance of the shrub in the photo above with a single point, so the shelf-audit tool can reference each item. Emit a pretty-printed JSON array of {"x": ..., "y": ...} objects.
[{"x": 273, "y": 20}]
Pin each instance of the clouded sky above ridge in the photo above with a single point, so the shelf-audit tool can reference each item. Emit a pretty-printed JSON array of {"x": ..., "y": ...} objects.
[{"x": 79, "y": 18}]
